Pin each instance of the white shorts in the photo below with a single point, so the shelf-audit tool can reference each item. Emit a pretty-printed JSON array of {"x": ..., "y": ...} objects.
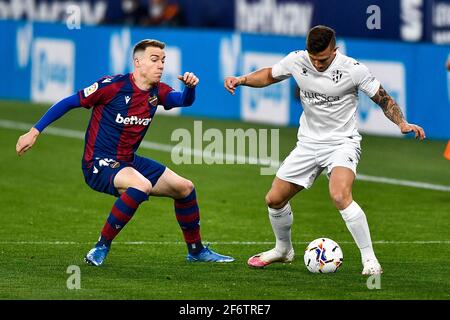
[{"x": 305, "y": 163}]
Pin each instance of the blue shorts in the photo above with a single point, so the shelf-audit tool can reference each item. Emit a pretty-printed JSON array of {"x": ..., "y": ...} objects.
[{"x": 100, "y": 174}]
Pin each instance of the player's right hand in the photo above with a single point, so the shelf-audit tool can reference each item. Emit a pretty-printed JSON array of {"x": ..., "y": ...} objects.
[
  {"x": 231, "y": 83},
  {"x": 26, "y": 141},
  {"x": 406, "y": 127}
]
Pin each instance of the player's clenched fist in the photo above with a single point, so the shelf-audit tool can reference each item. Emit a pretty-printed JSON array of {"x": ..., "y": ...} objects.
[
  {"x": 231, "y": 83},
  {"x": 189, "y": 79},
  {"x": 26, "y": 141}
]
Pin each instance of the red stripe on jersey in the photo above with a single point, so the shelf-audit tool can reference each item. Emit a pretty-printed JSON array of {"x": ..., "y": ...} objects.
[
  {"x": 98, "y": 100},
  {"x": 163, "y": 91},
  {"x": 132, "y": 133},
  {"x": 102, "y": 95},
  {"x": 92, "y": 132}
]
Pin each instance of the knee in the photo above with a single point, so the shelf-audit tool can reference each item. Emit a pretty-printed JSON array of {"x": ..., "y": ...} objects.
[
  {"x": 185, "y": 188},
  {"x": 341, "y": 199},
  {"x": 144, "y": 186},
  {"x": 274, "y": 201}
]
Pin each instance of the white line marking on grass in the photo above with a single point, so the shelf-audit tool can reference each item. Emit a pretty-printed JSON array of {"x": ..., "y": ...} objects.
[
  {"x": 239, "y": 243},
  {"x": 397, "y": 182},
  {"x": 7, "y": 124}
]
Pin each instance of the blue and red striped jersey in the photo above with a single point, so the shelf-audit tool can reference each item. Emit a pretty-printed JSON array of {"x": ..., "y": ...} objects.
[{"x": 120, "y": 117}]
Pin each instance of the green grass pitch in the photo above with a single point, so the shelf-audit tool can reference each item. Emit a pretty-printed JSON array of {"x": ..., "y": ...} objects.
[{"x": 50, "y": 218}]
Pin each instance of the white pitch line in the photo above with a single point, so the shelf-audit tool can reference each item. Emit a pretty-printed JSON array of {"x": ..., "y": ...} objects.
[
  {"x": 239, "y": 243},
  {"x": 7, "y": 124}
]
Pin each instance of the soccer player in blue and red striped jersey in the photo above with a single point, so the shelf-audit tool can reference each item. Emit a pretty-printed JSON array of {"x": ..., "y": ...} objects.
[{"x": 123, "y": 107}]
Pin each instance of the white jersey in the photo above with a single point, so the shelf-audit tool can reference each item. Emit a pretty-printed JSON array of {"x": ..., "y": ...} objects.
[{"x": 329, "y": 98}]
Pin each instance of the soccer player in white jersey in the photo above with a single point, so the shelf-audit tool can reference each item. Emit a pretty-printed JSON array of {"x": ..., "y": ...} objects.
[{"x": 327, "y": 138}]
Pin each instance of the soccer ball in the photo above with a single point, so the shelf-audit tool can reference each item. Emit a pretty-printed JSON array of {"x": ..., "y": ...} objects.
[{"x": 323, "y": 255}]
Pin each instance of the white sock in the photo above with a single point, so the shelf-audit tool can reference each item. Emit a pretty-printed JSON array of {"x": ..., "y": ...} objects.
[
  {"x": 281, "y": 220},
  {"x": 356, "y": 222}
]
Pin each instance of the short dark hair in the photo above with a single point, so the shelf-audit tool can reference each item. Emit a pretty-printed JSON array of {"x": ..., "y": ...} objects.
[
  {"x": 144, "y": 44},
  {"x": 320, "y": 38}
]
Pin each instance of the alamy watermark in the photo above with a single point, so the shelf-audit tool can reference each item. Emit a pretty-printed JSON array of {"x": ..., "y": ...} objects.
[
  {"x": 374, "y": 282},
  {"x": 234, "y": 146},
  {"x": 73, "y": 20},
  {"x": 74, "y": 280},
  {"x": 373, "y": 22}
]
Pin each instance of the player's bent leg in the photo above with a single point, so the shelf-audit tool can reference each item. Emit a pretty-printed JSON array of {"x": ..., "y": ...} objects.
[
  {"x": 187, "y": 213},
  {"x": 281, "y": 219},
  {"x": 172, "y": 185},
  {"x": 340, "y": 185},
  {"x": 281, "y": 192},
  {"x": 133, "y": 189},
  {"x": 129, "y": 177}
]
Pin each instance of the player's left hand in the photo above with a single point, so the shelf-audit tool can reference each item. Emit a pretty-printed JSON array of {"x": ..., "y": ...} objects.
[
  {"x": 409, "y": 127},
  {"x": 189, "y": 79}
]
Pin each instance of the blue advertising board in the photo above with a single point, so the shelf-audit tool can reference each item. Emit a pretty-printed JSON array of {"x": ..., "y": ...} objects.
[{"x": 46, "y": 62}]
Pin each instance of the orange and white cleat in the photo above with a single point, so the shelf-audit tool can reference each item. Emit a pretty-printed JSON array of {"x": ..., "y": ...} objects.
[{"x": 263, "y": 259}]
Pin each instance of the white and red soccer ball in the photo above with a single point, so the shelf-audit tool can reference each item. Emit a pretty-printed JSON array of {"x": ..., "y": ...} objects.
[{"x": 323, "y": 255}]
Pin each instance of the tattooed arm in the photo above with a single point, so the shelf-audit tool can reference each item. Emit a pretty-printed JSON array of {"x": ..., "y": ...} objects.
[{"x": 393, "y": 112}]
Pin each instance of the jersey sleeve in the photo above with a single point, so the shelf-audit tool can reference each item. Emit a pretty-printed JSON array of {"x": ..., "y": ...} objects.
[
  {"x": 364, "y": 80},
  {"x": 57, "y": 111},
  {"x": 282, "y": 69},
  {"x": 96, "y": 94},
  {"x": 163, "y": 91},
  {"x": 175, "y": 99}
]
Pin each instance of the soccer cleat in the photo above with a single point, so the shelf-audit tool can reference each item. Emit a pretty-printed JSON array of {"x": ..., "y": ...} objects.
[
  {"x": 371, "y": 267},
  {"x": 207, "y": 255},
  {"x": 263, "y": 259},
  {"x": 96, "y": 256}
]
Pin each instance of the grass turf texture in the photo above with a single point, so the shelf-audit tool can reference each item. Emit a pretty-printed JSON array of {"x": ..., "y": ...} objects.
[{"x": 44, "y": 200}]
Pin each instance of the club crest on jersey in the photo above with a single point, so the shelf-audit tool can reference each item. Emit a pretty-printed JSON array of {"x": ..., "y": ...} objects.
[
  {"x": 114, "y": 165},
  {"x": 304, "y": 71},
  {"x": 153, "y": 100},
  {"x": 90, "y": 90},
  {"x": 336, "y": 75}
]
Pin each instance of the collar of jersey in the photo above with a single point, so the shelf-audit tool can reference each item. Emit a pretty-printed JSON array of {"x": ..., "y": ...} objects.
[{"x": 329, "y": 67}]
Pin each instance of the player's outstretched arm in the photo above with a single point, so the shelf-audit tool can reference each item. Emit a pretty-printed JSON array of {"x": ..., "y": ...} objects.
[
  {"x": 257, "y": 79},
  {"x": 393, "y": 112},
  {"x": 27, "y": 140},
  {"x": 175, "y": 99}
]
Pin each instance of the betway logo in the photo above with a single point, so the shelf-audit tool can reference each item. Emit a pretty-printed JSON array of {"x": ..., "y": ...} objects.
[
  {"x": 271, "y": 16},
  {"x": 133, "y": 120}
]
